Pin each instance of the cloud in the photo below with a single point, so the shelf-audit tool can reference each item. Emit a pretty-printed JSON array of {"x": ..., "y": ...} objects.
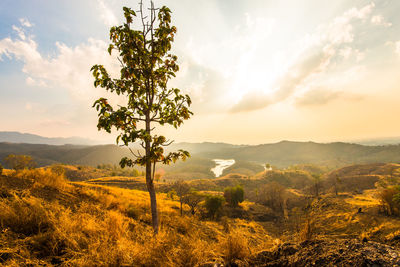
[
  {"x": 252, "y": 101},
  {"x": 19, "y": 31},
  {"x": 380, "y": 21},
  {"x": 68, "y": 69},
  {"x": 32, "y": 82},
  {"x": 206, "y": 86},
  {"x": 317, "y": 97},
  {"x": 397, "y": 47},
  {"x": 315, "y": 54},
  {"x": 106, "y": 14},
  {"x": 24, "y": 22},
  {"x": 323, "y": 96}
]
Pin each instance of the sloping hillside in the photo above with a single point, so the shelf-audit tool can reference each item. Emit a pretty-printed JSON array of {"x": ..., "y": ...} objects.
[
  {"x": 287, "y": 153},
  {"x": 48, "y": 221},
  {"x": 249, "y": 158},
  {"x": 67, "y": 154},
  {"x": 27, "y": 138}
]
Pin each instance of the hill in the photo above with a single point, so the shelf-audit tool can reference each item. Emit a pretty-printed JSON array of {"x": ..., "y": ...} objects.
[
  {"x": 49, "y": 221},
  {"x": 248, "y": 159},
  {"x": 67, "y": 154},
  {"x": 17, "y": 137},
  {"x": 286, "y": 153}
]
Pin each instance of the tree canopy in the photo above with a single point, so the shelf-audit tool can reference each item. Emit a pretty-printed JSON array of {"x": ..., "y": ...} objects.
[{"x": 146, "y": 68}]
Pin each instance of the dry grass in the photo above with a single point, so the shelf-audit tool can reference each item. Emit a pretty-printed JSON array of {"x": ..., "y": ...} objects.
[
  {"x": 44, "y": 177},
  {"x": 45, "y": 220},
  {"x": 108, "y": 226}
]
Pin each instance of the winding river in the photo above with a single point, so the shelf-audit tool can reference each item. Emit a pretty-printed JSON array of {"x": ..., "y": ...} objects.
[{"x": 221, "y": 165}]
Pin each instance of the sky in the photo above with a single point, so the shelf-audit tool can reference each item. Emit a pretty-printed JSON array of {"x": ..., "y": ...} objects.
[{"x": 257, "y": 71}]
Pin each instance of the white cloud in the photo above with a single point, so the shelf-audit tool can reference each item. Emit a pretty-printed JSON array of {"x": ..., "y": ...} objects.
[
  {"x": 32, "y": 82},
  {"x": 380, "y": 21},
  {"x": 349, "y": 52},
  {"x": 24, "y": 22},
  {"x": 19, "y": 31},
  {"x": 69, "y": 69},
  {"x": 323, "y": 96},
  {"x": 397, "y": 47},
  {"x": 106, "y": 14},
  {"x": 314, "y": 57}
]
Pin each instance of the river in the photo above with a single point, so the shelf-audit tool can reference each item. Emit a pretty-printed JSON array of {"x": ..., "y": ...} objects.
[{"x": 221, "y": 165}]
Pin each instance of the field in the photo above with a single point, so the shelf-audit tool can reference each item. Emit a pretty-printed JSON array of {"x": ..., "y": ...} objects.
[{"x": 48, "y": 220}]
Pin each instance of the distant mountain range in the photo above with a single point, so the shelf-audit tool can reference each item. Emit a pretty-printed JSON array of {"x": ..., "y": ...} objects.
[
  {"x": 27, "y": 138},
  {"x": 282, "y": 154}
]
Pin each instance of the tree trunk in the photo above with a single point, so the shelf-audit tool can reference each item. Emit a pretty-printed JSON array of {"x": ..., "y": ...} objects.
[
  {"x": 150, "y": 183},
  {"x": 153, "y": 203}
]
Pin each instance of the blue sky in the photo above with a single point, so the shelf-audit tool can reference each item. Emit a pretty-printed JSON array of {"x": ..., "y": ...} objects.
[{"x": 257, "y": 71}]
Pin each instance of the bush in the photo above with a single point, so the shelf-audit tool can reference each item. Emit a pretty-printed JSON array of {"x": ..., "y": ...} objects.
[
  {"x": 213, "y": 205},
  {"x": 44, "y": 177},
  {"x": 236, "y": 249},
  {"x": 25, "y": 216},
  {"x": 20, "y": 162},
  {"x": 389, "y": 200},
  {"x": 58, "y": 169},
  {"x": 272, "y": 195},
  {"x": 234, "y": 195},
  {"x": 1, "y": 169},
  {"x": 193, "y": 199}
]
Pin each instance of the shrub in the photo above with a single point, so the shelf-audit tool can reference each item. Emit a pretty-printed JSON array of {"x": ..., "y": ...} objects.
[
  {"x": 213, "y": 205},
  {"x": 273, "y": 195},
  {"x": 24, "y": 215},
  {"x": 20, "y": 162},
  {"x": 388, "y": 198},
  {"x": 58, "y": 169},
  {"x": 236, "y": 248},
  {"x": 193, "y": 199},
  {"x": 44, "y": 177},
  {"x": 1, "y": 169},
  {"x": 234, "y": 195}
]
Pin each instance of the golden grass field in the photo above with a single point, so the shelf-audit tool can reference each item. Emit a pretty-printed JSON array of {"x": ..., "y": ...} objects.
[{"x": 46, "y": 220}]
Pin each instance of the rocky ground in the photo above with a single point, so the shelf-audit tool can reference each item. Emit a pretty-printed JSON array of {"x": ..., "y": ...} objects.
[{"x": 322, "y": 252}]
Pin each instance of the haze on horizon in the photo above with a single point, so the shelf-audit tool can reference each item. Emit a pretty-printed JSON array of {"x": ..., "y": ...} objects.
[{"x": 257, "y": 72}]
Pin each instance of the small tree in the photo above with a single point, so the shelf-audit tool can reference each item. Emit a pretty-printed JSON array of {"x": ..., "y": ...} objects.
[
  {"x": 267, "y": 167},
  {"x": 193, "y": 199},
  {"x": 182, "y": 189},
  {"x": 396, "y": 198},
  {"x": 273, "y": 195},
  {"x": 234, "y": 195},
  {"x": 336, "y": 182},
  {"x": 1, "y": 169},
  {"x": 389, "y": 199},
  {"x": 213, "y": 205},
  {"x": 317, "y": 183},
  {"x": 20, "y": 162},
  {"x": 146, "y": 68}
]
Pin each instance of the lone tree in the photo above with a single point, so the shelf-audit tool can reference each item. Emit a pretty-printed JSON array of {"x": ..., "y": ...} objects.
[
  {"x": 20, "y": 162},
  {"x": 181, "y": 189},
  {"x": 193, "y": 199},
  {"x": 213, "y": 205},
  {"x": 146, "y": 68},
  {"x": 234, "y": 195}
]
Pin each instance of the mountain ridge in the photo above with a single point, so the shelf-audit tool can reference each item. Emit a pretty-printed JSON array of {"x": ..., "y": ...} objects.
[
  {"x": 28, "y": 138},
  {"x": 281, "y": 154}
]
